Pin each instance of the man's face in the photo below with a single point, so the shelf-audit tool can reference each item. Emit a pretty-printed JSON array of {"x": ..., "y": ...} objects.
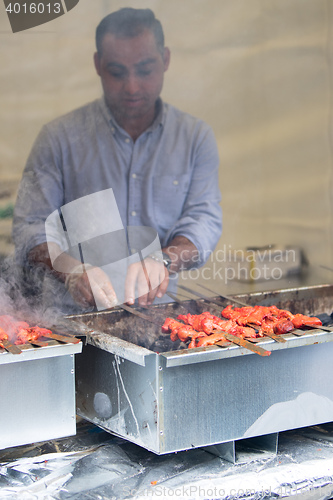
[{"x": 131, "y": 71}]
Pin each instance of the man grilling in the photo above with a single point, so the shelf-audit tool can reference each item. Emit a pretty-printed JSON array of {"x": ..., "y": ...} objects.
[{"x": 161, "y": 163}]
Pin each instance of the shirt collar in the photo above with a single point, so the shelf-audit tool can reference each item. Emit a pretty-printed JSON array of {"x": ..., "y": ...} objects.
[{"x": 159, "y": 119}]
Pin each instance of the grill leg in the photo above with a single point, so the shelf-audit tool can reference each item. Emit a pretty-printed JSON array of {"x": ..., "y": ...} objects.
[
  {"x": 245, "y": 450},
  {"x": 227, "y": 451}
]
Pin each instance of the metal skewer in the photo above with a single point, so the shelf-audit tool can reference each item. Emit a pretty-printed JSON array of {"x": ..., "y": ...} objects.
[
  {"x": 12, "y": 348},
  {"x": 139, "y": 314},
  {"x": 225, "y": 297},
  {"x": 245, "y": 343},
  {"x": 201, "y": 296},
  {"x": 177, "y": 300},
  {"x": 61, "y": 338}
]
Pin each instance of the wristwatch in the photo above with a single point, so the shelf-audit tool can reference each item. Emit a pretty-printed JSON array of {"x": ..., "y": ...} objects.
[{"x": 165, "y": 258}]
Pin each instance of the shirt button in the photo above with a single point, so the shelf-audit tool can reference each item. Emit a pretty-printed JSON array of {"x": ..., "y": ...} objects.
[
  {"x": 113, "y": 130},
  {"x": 133, "y": 213},
  {"x": 175, "y": 182},
  {"x": 127, "y": 140},
  {"x": 134, "y": 176}
]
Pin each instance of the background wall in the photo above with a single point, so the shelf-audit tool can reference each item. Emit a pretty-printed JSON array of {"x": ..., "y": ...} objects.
[{"x": 258, "y": 71}]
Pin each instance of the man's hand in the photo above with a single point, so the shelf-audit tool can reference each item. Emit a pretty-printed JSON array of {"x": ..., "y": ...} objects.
[
  {"x": 85, "y": 291},
  {"x": 146, "y": 279},
  {"x": 90, "y": 285},
  {"x": 183, "y": 253}
]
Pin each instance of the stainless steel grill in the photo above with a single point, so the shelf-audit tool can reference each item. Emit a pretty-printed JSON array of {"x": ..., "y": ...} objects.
[
  {"x": 170, "y": 400},
  {"x": 37, "y": 394}
]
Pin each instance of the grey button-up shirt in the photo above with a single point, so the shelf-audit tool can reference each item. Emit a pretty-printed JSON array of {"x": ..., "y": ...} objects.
[{"x": 167, "y": 179}]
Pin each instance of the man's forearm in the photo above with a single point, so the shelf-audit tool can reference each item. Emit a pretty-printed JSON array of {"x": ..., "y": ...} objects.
[
  {"x": 183, "y": 253},
  {"x": 86, "y": 291},
  {"x": 45, "y": 255}
]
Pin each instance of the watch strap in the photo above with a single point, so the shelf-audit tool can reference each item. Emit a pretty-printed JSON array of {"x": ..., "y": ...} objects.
[{"x": 161, "y": 257}]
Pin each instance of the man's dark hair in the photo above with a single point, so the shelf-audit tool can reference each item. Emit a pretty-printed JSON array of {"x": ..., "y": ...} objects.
[{"x": 129, "y": 23}]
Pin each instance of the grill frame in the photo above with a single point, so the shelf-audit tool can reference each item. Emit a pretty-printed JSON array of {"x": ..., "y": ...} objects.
[
  {"x": 178, "y": 400},
  {"x": 38, "y": 390}
]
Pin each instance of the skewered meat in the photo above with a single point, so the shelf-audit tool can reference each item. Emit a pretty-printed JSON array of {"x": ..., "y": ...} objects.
[
  {"x": 283, "y": 326},
  {"x": 209, "y": 323},
  {"x": 205, "y": 321},
  {"x": 172, "y": 325},
  {"x": 259, "y": 312},
  {"x": 19, "y": 331},
  {"x": 31, "y": 334},
  {"x": 282, "y": 313},
  {"x": 185, "y": 333},
  {"x": 3, "y": 336},
  {"x": 271, "y": 319},
  {"x": 274, "y": 324},
  {"x": 248, "y": 315},
  {"x": 198, "y": 326},
  {"x": 168, "y": 324},
  {"x": 197, "y": 335},
  {"x": 242, "y": 331},
  {"x": 180, "y": 330},
  {"x": 26, "y": 335},
  {"x": 210, "y": 339},
  {"x": 299, "y": 320},
  {"x": 12, "y": 326},
  {"x": 206, "y": 329}
]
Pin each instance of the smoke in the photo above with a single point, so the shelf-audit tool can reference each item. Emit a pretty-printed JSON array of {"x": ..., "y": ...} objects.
[{"x": 22, "y": 295}]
